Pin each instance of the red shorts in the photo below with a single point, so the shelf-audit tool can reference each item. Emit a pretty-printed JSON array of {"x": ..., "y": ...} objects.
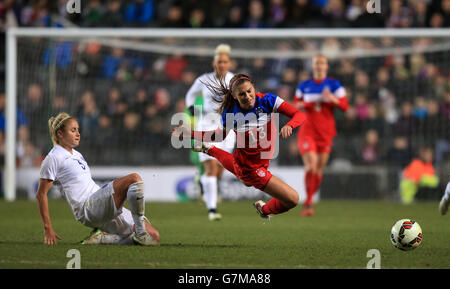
[
  {"x": 257, "y": 178},
  {"x": 309, "y": 144}
]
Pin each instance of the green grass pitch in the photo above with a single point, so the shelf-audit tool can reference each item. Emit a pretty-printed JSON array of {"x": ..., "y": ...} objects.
[{"x": 339, "y": 236}]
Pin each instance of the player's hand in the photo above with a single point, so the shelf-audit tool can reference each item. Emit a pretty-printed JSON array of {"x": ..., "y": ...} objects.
[
  {"x": 180, "y": 131},
  {"x": 327, "y": 95},
  {"x": 50, "y": 237},
  {"x": 286, "y": 131},
  {"x": 300, "y": 105}
]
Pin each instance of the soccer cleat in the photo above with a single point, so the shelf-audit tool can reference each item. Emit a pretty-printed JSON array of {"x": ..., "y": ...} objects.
[
  {"x": 214, "y": 216},
  {"x": 307, "y": 211},
  {"x": 144, "y": 239},
  {"x": 443, "y": 205},
  {"x": 203, "y": 148},
  {"x": 258, "y": 206},
  {"x": 94, "y": 238}
]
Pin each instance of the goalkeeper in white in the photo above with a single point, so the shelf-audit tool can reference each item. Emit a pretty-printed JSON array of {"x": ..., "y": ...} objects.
[{"x": 95, "y": 207}]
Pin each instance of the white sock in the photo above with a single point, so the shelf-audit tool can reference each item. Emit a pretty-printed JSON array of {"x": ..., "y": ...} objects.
[
  {"x": 135, "y": 198},
  {"x": 112, "y": 239},
  {"x": 209, "y": 184},
  {"x": 447, "y": 191}
]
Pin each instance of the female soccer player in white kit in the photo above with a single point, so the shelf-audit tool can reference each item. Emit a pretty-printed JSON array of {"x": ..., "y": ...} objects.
[
  {"x": 95, "y": 207},
  {"x": 213, "y": 169}
]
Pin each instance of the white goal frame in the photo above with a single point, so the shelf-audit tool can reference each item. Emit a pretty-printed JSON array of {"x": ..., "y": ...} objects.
[{"x": 9, "y": 178}]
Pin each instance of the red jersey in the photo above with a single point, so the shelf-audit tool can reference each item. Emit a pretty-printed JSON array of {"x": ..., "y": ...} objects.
[
  {"x": 320, "y": 123},
  {"x": 255, "y": 131}
]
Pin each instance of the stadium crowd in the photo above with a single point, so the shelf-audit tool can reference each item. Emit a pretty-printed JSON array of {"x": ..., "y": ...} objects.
[
  {"x": 230, "y": 13},
  {"x": 398, "y": 103}
]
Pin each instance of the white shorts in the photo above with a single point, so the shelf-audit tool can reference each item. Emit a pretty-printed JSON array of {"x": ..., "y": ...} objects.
[
  {"x": 100, "y": 212},
  {"x": 227, "y": 145}
]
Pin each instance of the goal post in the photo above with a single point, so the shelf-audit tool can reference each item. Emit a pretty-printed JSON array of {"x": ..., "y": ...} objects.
[{"x": 247, "y": 44}]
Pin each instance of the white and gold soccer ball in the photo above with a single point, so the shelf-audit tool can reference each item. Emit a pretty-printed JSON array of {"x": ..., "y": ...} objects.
[{"x": 406, "y": 234}]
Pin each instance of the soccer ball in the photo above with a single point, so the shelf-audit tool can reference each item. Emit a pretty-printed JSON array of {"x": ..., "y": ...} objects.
[{"x": 406, "y": 234}]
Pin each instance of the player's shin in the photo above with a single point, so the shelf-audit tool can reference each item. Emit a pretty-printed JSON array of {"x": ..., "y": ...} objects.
[
  {"x": 274, "y": 206},
  {"x": 135, "y": 198},
  {"x": 309, "y": 184},
  {"x": 209, "y": 184}
]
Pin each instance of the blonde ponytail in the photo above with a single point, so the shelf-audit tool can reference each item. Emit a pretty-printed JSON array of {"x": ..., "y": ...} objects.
[{"x": 57, "y": 123}]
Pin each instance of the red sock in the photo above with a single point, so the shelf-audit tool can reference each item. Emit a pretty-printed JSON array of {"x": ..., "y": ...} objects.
[
  {"x": 224, "y": 157},
  {"x": 309, "y": 184},
  {"x": 273, "y": 207},
  {"x": 317, "y": 182}
]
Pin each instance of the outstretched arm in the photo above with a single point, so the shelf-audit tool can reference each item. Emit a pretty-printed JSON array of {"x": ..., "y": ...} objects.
[
  {"x": 297, "y": 118},
  {"x": 50, "y": 235},
  {"x": 217, "y": 135}
]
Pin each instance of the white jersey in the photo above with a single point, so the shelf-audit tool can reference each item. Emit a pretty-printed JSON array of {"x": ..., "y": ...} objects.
[
  {"x": 209, "y": 105},
  {"x": 74, "y": 175}
]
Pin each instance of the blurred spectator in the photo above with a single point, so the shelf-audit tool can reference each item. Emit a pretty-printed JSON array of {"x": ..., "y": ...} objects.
[
  {"x": 362, "y": 106},
  {"x": 437, "y": 20},
  {"x": 198, "y": 19},
  {"x": 112, "y": 62},
  {"x": 335, "y": 11},
  {"x": 174, "y": 18},
  {"x": 445, "y": 6},
  {"x": 59, "y": 104},
  {"x": 175, "y": 66},
  {"x": 88, "y": 119},
  {"x": 420, "y": 13},
  {"x": 299, "y": 13},
  {"x": 420, "y": 110},
  {"x": 60, "y": 53},
  {"x": 374, "y": 121},
  {"x": 370, "y": 152},
  {"x": 21, "y": 120},
  {"x": 130, "y": 133},
  {"x": 139, "y": 12},
  {"x": 445, "y": 105},
  {"x": 399, "y": 15},
  {"x": 277, "y": 13},
  {"x": 115, "y": 108},
  {"x": 350, "y": 125},
  {"x": 400, "y": 153},
  {"x": 405, "y": 123},
  {"x": 256, "y": 17},
  {"x": 93, "y": 14},
  {"x": 419, "y": 173},
  {"x": 235, "y": 18},
  {"x": 113, "y": 16},
  {"x": 220, "y": 10}
]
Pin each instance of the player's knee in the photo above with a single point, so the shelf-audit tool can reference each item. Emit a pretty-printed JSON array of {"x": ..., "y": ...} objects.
[
  {"x": 134, "y": 178},
  {"x": 292, "y": 200}
]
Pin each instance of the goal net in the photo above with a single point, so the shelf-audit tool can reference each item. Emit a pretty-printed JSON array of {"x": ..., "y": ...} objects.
[{"x": 124, "y": 86}]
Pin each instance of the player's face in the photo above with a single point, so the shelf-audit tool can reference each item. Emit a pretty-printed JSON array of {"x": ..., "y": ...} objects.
[
  {"x": 245, "y": 95},
  {"x": 222, "y": 64},
  {"x": 71, "y": 136},
  {"x": 320, "y": 66}
]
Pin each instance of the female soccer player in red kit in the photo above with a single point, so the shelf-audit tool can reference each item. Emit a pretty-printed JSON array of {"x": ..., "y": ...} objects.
[
  {"x": 317, "y": 97},
  {"x": 249, "y": 114}
]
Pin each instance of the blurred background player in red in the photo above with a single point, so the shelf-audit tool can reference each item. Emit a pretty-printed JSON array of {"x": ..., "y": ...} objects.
[
  {"x": 317, "y": 97},
  {"x": 250, "y": 114}
]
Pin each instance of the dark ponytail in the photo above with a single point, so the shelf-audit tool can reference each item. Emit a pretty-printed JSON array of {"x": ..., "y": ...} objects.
[{"x": 220, "y": 88}]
